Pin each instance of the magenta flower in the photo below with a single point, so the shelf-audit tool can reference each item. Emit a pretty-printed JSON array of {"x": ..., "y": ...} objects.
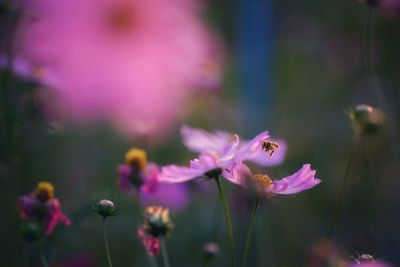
[
  {"x": 141, "y": 178},
  {"x": 301, "y": 180},
  {"x": 133, "y": 63},
  {"x": 151, "y": 243},
  {"x": 43, "y": 208},
  {"x": 219, "y": 151}
]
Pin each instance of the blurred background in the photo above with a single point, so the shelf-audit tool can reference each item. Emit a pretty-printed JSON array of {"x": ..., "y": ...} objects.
[{"x": 83, "y": 81}]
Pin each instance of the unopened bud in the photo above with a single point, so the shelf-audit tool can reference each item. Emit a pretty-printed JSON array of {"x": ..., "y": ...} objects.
[
  {"x": 367, "y": 119},
  {"x": 210, "y": 250},
  {"x": 105, "y": 208},
  {"x": 157, "y": 221}
]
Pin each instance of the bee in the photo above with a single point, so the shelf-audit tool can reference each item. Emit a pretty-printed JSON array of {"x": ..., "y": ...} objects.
[{"x": 269, "y": 147}]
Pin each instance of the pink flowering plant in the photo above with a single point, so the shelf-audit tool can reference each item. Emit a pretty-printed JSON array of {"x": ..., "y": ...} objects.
[{"x": 40, "y": 212}]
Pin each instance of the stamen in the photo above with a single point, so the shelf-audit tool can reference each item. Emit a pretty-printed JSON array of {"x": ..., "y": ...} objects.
[
  {"x": 269, "y": 147},
  {"x": 262, "y": 180}
]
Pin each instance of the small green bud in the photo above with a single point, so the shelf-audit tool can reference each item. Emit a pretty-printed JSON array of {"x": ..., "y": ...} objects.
[
  {"x": 31, "y": 231},
  {"x": 367, "y": 119},
  {"x": 105, "y": 208}
]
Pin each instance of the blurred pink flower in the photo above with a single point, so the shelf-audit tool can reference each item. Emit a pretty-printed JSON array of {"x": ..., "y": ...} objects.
[
  {"x": 42, "y": 207},
  {"x": 220, "y": 151},
  {"x": 141, "y": 178},
  {"x": 130, "y": 62}
]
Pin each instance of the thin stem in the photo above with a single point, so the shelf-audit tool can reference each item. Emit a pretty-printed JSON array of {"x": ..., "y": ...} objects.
[
  {"x": 367, "y": 46},
  {"x": 164, "y": 253},
  {"x": 228, "y": 222},
  {"x": 336, "y": 212},
  {"x": 250, "y": 233},
  {"x": 153, "y": 262},
  {"x": 106, "y": 243},
  {"x": 42, "y": 256}
]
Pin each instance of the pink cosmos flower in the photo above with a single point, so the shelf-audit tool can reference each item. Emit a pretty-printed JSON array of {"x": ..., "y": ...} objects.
[
  {"x": 301, "y": 180},
  {"x": 220, "y": 151},
  {"x": 130, "y": 62}
]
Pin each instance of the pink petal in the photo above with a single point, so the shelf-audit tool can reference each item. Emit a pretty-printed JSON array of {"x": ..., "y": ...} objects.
[{"x": 199, "y": 140}]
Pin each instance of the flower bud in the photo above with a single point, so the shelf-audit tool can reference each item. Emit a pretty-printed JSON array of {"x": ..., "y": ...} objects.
[
  {"x": 367, "y": 119},
  {"x": 105, "y": 208},
  {"x": 157, "y": 221},
  {"x": 210, "y": 250},
  {"x": 31, "y": 231}
]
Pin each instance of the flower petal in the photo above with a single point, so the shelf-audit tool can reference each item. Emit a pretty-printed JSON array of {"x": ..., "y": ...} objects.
[
  {"x": 178, "y": 174},
  {"x": 200, "y": 141},
  {"x": 302, "y": 180}
]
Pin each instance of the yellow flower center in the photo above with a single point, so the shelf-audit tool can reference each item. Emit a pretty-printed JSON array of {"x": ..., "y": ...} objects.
[
  {"x": 262, "y": 180},
  {"x": 136, "y": 157},
  {"x": 44, "y": 191}
]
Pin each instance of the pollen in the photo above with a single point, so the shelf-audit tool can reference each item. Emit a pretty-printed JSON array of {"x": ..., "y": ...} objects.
[
  {"x": 44, "y": 191},
  {"x": 262, "y": 180},
  {"x": 136, "y": 157},
  {"x": 269, "y": 147}
]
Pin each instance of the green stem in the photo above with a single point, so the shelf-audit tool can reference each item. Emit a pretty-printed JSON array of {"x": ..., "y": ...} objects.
[
  {"x": 250, "y": 233},
  {"x": 367, "y": 46},
  {"x": 152, "y": 260},
  {"x": 42, "y": 256},
  {"x": 164, "y": 253},
  {"x": 228, "y": 222},
  {"x": 336, "y": 212},
  {"x": 106, "y": 243}
]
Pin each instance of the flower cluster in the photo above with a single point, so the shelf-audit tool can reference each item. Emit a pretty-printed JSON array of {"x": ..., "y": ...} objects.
[
  {"x": 40, "y": 211},
  {"x": 222, "y": 153},
  {"x": 157, "y": 224}
]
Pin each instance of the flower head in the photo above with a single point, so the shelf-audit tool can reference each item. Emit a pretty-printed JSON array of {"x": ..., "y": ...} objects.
[
  {"x": 367, "y": 119},
  {"x": 219, "y": 151},
  {"x": 264, "y": 186},
  {"x": 157, "y": 223},
  {"x": 105, "y": 208},
  {"x": 140, "y": 177},
  {"x": 137, "y": 173},
  {"x": 41, "y": 209},
  {"x": 210, "y": 250}
]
